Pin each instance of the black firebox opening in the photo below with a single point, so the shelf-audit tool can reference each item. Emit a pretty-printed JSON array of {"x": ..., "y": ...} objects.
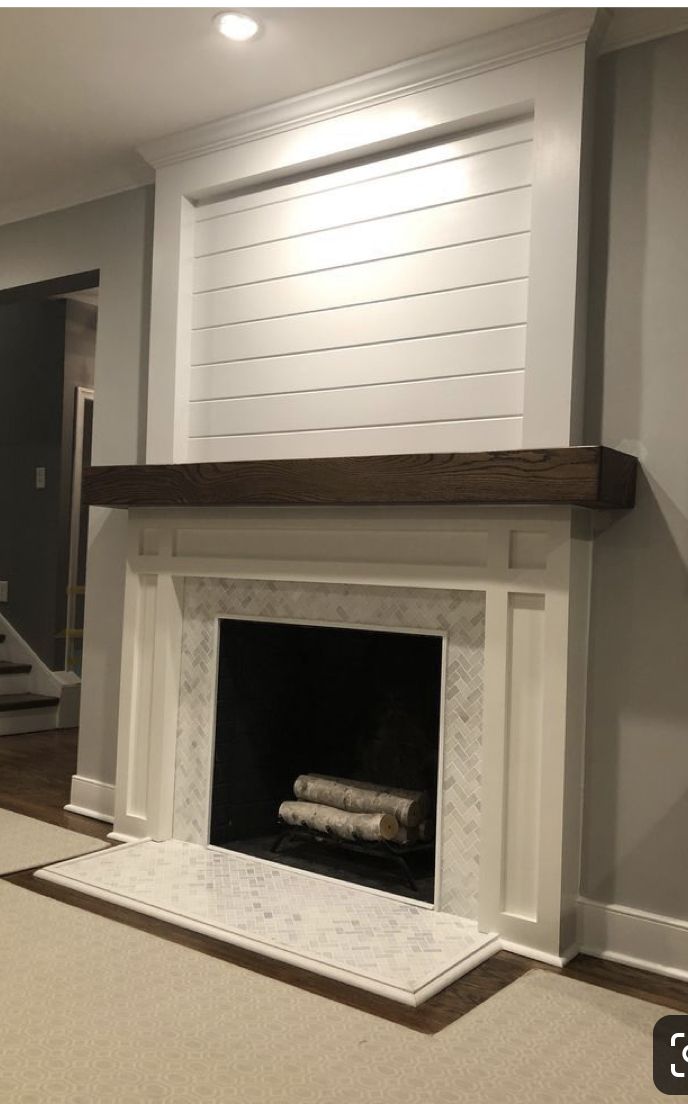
[{"x": 311, "y": 699}]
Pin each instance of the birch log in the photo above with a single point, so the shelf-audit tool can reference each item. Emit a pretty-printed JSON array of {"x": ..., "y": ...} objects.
[
  {"x": 409, "y": 807},
  {"x": 338, "y": 822}
]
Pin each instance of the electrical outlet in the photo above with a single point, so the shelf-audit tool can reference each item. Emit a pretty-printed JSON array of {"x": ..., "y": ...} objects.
[
  {"x": 40, "y": 479},
  {"x": 4, "y": 592}
]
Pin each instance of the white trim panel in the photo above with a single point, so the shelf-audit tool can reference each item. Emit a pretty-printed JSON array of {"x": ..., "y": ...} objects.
[{"x": 524, "y": 735}]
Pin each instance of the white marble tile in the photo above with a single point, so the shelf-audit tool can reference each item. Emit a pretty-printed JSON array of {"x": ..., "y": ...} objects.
[
  {"x": 460, "y": 614},
  {"x": 380, "y": 944}
]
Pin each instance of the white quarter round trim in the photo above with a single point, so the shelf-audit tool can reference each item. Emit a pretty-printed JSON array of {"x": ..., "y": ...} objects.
[{"x": 539, "y": 956}]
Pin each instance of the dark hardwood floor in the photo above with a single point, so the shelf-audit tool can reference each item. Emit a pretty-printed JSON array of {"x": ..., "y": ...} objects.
[
  {"x": 35, "y": 777},
  {"x": 35, "y": 772}
]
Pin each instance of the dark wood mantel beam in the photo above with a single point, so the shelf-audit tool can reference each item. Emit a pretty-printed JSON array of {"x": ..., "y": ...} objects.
[{"x": 590, "y": 476}]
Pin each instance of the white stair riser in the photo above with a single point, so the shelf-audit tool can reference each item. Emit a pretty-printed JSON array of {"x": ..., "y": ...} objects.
[
  {"x": 27, "y": 720},
  {"x": 39, "y": 680},
  {"x": 15, "y": 684}
]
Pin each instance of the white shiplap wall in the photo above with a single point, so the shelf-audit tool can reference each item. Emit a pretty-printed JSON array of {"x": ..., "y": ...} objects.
[{"x": 378, "y": 308}]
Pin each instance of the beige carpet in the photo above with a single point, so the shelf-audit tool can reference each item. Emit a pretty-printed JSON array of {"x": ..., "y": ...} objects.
[
  {"x": 95, "y": 1012},
  {"x": 25, "y": 842}
]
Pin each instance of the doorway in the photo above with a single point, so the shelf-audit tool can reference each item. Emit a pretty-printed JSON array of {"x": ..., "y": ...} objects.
[{"x": 47, "y": 361}]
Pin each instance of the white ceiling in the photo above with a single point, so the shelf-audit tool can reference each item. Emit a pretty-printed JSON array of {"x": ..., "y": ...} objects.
[{"x": 81, "y": 88}]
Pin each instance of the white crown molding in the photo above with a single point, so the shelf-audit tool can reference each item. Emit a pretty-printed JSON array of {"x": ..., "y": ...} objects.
[
  {"x": 518, "y": 42},
  {"x": 632, "y": 26}
]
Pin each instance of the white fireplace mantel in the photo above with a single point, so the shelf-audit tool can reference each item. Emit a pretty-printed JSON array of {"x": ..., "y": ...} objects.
[{"x": 532, "y": 567}]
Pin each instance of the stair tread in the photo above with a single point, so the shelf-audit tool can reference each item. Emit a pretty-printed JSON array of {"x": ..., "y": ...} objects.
[
  {"x": 7, "y": 667},
  {"x": 9, "y": 702}
]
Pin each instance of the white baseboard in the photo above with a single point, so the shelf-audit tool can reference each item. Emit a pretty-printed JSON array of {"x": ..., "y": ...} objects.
[
  {"x": 539, "y": 956},
  {"x": 645, "y": 940},
  {"x": 91, "y": 798}
]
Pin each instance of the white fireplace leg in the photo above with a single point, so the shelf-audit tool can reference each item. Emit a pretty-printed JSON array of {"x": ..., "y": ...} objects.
[
  {"x": 533, "y": 746},
  {"x": 149, "y": 696}
]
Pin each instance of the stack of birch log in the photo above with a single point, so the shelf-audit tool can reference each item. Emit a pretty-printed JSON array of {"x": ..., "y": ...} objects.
[{"x": 352, "y": 810}]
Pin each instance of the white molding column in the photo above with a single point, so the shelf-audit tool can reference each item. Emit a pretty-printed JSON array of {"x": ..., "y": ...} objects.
[
  {"x": 533, "y": 740},
  {"x": 149, "y": 696}
]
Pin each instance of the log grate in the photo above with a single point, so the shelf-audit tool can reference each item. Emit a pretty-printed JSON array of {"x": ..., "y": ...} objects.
[{"x": 396, "y": 854}]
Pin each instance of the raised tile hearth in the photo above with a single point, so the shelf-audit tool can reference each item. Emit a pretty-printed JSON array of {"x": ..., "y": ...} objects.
[{"x": 401, "y": 951}]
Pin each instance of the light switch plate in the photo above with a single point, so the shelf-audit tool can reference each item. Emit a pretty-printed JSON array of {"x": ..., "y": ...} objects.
[
  {"x": 4, "y": 591},
  {"x": 40, "y": 479}
]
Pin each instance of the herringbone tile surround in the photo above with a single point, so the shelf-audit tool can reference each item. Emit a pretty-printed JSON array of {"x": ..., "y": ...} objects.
[{"x": 460, "y": 614}]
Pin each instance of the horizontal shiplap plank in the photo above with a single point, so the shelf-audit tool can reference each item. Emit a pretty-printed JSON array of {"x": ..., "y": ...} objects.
[
  {"x": 450, "y": 436},
  {"x": 430, "y": 186},
  {"x": 392, "y": 278},
  {"x": 390, "y": 404},
  {"x": 519, "y": 130},
  {"x": 445, "y": 312},
  {"x": 447, "y": 355},
  {"x": 468, "y": 221}
]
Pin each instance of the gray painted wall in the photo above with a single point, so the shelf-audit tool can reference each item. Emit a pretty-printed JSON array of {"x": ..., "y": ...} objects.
[
  {"x": 636, "y": 790},
  {"x": 113, "y": 235},
  {"x": 32, "y": 341}
]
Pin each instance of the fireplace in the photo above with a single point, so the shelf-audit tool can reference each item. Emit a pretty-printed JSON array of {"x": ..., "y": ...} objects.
[
  {"x": 246, "y": 633},
  {"x": 343, "y": 702}
]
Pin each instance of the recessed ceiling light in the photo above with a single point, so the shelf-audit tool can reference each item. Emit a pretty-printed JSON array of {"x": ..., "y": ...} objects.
[{"x": 236, "y": 25}]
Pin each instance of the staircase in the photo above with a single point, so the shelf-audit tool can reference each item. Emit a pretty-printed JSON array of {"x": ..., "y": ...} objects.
[{"x": 33, "y": 698}]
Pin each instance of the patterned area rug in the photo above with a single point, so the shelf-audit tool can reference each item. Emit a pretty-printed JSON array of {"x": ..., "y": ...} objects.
[
  {"x": 132, "y": 1017},
  {"x": 25, "y": 843}
]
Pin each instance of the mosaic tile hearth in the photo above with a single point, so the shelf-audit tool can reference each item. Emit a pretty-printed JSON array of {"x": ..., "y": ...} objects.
[
  {"x": 461, "y": 614},
  {"x": 286, "y": 913}
]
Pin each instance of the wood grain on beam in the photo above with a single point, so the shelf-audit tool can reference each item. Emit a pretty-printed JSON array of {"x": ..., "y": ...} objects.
[{"x": 591, "y": 476}]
